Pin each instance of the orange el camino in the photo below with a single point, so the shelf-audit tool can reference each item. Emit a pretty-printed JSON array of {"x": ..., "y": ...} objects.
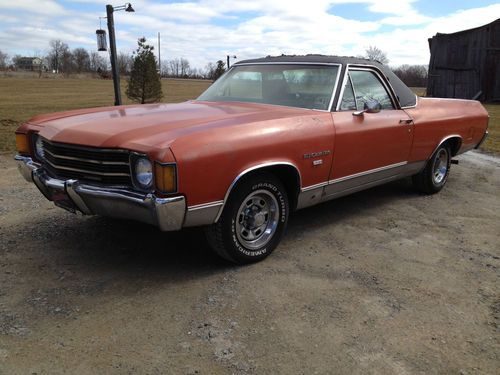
[{"x": 272, "y": 135}]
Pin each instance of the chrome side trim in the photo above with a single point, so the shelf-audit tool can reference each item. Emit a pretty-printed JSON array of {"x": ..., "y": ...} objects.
[
  {"x": 332, "y": 189},
  {"x": 255, "y": 167},
  {"x": 364, "y": 180},
  {"x": 315, "y": 186},
  {"x": 205, "y": 205},
  {"x": 444, "y": 140},
  {"x": 311, "y": 196},
  {"x": 202, "y": 214},
  {"x": 360, "y": 174}
]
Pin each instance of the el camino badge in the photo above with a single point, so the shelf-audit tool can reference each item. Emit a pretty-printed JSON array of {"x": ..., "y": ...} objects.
[{"x": 313, "y": 155}]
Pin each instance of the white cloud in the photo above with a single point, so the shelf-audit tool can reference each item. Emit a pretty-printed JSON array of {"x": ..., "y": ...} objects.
[
  {"x": 207, "y": 30},
  {"x": 46, "y": 7}
]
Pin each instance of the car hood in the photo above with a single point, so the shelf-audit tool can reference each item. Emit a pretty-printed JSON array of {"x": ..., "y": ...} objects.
[{"x": 142, "y": 127}]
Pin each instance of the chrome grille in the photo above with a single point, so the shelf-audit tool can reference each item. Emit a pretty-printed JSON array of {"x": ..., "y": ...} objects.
[{"x": 111, "y": 167}]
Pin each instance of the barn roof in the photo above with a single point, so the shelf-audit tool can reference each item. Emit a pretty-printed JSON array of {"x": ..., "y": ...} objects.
[
  {"x": 467, "y": 30},
  {"x": 406, "y": 97}
]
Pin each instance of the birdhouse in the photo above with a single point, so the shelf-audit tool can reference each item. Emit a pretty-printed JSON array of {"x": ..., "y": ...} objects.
[{"x": 101, "y": 40}]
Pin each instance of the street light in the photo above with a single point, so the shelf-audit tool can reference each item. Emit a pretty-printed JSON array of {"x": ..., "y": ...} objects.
[
  {"x": 127, "y": 7},
  {"x": 229, "y": 57}
]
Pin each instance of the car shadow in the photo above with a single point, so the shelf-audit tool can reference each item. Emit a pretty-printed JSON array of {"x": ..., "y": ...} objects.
[{"x": 105, "y": 245}]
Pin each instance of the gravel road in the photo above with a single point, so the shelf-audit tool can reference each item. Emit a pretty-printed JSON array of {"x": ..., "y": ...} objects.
[{"x": 385, "y": 281}]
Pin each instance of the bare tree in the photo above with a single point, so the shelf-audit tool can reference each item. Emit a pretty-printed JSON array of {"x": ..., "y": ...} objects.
[
  {"x": 165, "y": 68},
  {"x": 194, "y": 73},
  {"x": 208, "y": 73},
  {"x": 375, "y": 53},
  {"x": 124, "y": 62},
  {"x": 67, "y": 65},
  {"x": 97, "y": 62},
  {"x": 184, "y": 63},
  {"x": 16, "y": 61},
  {"x": 58, "y": 51},
  {"x": 3, "y": 60},
  {"x": 175, "y": 67},
  {"x": 81, "y": 60},
  {"x": 412, "y": 75}
]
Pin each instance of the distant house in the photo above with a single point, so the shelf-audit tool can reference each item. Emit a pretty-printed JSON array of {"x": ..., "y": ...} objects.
[
  {"x": 29, "y": 63},
  {"x": 466, "y": 64}
]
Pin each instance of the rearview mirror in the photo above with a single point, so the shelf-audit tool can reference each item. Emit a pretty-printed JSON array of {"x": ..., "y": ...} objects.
[{"x": 371, "y": 106}]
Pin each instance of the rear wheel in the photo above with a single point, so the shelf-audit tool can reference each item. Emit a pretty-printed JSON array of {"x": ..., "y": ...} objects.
[
  {"x": 253, "y": 221},
  {"x": 435, "y": 174}
]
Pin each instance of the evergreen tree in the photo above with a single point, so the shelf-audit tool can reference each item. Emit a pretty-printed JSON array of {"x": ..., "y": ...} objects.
[
  {"x": 219, "y": 70},
  {"x": 144, "y": 85}
]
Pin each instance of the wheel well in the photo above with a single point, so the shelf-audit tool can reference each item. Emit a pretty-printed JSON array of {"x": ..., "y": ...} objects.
[
  {"x": 289, "y": 177},
  {"x": 455, "y": 144}
]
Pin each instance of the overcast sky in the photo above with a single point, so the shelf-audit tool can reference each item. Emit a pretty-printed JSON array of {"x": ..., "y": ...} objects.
[{"x": 208, "y": 30}]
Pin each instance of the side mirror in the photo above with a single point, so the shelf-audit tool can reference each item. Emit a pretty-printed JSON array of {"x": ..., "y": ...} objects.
[{"x": 371, "y": 106}]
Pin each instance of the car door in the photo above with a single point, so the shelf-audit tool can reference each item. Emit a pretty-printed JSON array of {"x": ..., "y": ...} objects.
[{"x": 369, "y": 147}]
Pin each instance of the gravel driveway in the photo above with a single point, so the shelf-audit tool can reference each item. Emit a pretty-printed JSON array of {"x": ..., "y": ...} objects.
[{"x": 384, "y": 281}]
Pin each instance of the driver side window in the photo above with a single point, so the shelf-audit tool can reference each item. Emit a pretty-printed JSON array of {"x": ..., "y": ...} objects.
[{"x": 363, "y": 86}]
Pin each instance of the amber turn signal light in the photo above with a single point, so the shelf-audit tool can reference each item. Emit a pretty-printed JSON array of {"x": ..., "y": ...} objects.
[
  {"x": 166, "y": 177},
  {"x": 22, "y": 143}
]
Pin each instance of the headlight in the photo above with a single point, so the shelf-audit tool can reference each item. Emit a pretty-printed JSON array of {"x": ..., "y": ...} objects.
[
  {"x": 143, "y": 173},
  {"x": 39, "y": 147}
]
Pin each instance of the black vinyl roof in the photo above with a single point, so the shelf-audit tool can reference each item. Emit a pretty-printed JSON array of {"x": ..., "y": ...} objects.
[{"x": 405, "y": 96}]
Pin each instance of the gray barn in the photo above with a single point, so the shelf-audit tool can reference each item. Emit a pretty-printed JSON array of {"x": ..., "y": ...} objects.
[{"x": 466, "y": 64}]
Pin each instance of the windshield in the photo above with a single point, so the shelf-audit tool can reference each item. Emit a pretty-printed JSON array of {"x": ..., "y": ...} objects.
[{"x": 303, "y": 86}]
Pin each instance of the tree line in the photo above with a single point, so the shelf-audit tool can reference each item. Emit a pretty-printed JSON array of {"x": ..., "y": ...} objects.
[
  {"x": 411, "y": 75},
  {"x": 61, "y": 59}
]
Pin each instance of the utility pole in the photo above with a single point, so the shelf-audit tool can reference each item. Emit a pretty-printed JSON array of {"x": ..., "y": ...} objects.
[
  {"x": 112, "y": 47},
  {"x": 159, "y": 54},
  {"x": 112, "y": 50},
  {"x": 228, "y": 58}
]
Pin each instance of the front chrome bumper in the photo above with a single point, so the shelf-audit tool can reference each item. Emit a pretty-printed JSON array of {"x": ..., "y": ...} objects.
[{"x": 166, "y": 213}]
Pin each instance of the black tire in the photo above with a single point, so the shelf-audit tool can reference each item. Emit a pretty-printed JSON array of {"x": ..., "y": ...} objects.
[
  {"x": 257, "y": 199},
  {"x": 435, "y": 174}
]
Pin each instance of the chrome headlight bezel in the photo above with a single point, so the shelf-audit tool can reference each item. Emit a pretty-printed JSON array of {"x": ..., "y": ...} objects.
[
  {"x": 142, "y": 172},
  {"x": 38, "y": 147}
]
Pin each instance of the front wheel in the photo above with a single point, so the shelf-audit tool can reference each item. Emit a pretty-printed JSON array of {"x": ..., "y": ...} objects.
[
  {"x": 435, "y": 174},
  {"x": 253, "y": 220}
]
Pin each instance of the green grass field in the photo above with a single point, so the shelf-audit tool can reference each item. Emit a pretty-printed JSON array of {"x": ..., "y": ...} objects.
[{"x": 22, "y": 98}]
